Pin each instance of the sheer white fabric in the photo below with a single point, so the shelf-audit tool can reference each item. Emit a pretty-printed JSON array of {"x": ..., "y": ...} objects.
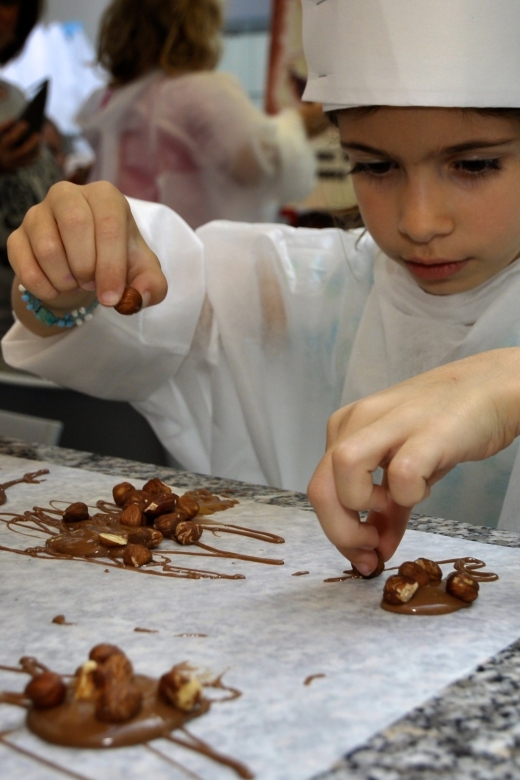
[
  {"x": 265, "y": 332},
  {"x": 197, "y": 144}
]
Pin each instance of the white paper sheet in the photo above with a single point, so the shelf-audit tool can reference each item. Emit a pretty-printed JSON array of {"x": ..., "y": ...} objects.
[{"x": 270, "y": 631}]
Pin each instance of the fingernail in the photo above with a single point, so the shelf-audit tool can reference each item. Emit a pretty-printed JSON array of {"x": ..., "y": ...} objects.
[
  {"x": 369, "y": 547},
  {"x": 146, "y": 298},
  {"x": 88, "y": 286},
  {"x": 109, "y": 298},
  {"x": 364, "y": 569}
]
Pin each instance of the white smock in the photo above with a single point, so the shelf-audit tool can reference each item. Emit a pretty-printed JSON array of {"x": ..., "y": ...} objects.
[
  {"x": 265, "y": 331},
  {"x": 196, "y": 143}
]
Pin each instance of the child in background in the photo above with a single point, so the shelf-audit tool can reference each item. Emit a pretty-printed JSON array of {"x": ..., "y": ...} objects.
[
  {"x": 265, "y": 330},
  {"x": 172, "y": 130}
]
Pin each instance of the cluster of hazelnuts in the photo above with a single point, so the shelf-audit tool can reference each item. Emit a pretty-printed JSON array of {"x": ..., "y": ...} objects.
[
  {"x": 147, "y": 516},
  {"x": 412, "y": 575},
  {"x": 108, "y": 682}
]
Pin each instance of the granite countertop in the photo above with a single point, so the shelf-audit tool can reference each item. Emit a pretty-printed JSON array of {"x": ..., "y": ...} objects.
[{"x": 470, "y": 730}]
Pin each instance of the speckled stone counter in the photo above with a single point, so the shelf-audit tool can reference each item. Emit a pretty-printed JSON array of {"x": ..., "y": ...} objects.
[{"x": 471, "y": 730}]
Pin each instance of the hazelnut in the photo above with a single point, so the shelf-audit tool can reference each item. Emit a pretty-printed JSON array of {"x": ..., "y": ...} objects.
[
  {"x": 119, "y": 703},
  {"x": 137, "y": 555},
  {"x": 86, "y": 688},
  {"x": 131, "y": 302},
  {"x": 160, "y": 505},
  {"x": 432, "y": 569},
  {"x": 399, "y": 589},
  {"x": 187, "y": 532},
  {"x": 188, "y": 505},
  {"x": 155, "y": 487},
  {"x": 76, "y": 513},
  {"x": 167, "y": 524},
  {"x": 415, "y": 572},
  {"x": 131, "y": 516},
  {"x": 380, "y": 567},
  {"x": 46, "y": 690},
  {"x": 180, "y": 688},
  {"x": 462, "y": 586},
  {"x": 101, "y": 653},
  {"x": 116, "y": 669},
  {"x": 150, "y": 537},
  {"x": 138, "y": 497},
  {"x": 112, "y": 540},
  {"x": 120, "y": 491}
]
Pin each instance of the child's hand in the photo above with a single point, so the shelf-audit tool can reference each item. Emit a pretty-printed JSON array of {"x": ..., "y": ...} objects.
[
  {"x": 82, "y": 241},
  {"x": 417, "y": 431}
]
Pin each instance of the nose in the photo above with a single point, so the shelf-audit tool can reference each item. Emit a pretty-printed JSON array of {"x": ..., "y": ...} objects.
[{"x": 424, "y": 213}]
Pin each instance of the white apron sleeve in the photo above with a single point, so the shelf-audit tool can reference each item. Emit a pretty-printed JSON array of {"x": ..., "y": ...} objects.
[{"x": 126, "y": 358}]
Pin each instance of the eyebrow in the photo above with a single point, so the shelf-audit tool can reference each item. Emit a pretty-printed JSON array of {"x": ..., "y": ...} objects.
[{"x": 457, "y": 149}]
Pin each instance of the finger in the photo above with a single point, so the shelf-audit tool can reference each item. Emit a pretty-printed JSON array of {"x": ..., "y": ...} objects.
[
  {"x": 74, "y": 220},
  {"x": 27, "y": 268},
  {"x": 111, "y": 215},
  {"x": 391, "y": 523},
  {"x": 342, "y": 526},
  {"x": 43, "y": 233},
  {"x": 145, "y": 273}
]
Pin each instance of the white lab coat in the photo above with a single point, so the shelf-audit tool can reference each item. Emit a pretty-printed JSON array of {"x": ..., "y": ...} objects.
[
  {"x": 196, "y": 143},
  {"x": 265, "y": 331}
]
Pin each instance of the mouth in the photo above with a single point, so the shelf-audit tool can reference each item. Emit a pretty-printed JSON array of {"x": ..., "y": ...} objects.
[{"x": 432, "y": 270}]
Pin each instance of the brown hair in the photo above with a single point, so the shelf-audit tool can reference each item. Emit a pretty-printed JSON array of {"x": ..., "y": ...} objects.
[
  {"x": 30, "y": 12},
  {"x": 138, "y": 36}
]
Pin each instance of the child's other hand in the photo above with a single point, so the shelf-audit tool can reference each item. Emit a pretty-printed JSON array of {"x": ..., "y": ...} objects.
[
  {"x": 82, "y": 239},
  {"x": 417, "y": 432}
]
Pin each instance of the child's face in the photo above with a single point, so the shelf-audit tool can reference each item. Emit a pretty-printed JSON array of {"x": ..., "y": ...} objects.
[{"x": 439, "y": 191}]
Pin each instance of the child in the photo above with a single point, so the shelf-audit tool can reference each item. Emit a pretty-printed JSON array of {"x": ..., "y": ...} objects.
[
  {"x": 172, "y": 130},
  {"x": 265, "y": 330}
]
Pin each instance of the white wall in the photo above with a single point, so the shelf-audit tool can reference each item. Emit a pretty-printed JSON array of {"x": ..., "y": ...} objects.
[{"x": 88, "y": 11}]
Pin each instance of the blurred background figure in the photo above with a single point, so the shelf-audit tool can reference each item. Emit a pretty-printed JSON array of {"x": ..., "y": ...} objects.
[
  {"x": 27, "y": 167},
  {"x": 171, "y": 129}
]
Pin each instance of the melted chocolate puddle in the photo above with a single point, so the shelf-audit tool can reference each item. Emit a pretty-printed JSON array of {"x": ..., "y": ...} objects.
[
  {"x": 82, "y": 541},
  {"x": 74, "y": 724}
]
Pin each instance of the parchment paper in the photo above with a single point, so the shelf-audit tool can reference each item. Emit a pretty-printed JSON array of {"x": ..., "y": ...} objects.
[{"x": 269, "y": 631}]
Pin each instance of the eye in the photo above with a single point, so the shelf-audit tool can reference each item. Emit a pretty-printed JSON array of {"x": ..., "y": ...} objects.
[
  {"x": 377, "y": 169},
  {"x": 478, "y": 167}
]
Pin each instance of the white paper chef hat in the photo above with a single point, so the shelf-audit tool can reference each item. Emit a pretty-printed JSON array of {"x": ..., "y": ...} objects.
[{"x": 412, "y": 52}]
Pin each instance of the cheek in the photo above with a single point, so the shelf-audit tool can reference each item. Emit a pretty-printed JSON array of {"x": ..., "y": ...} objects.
[{"x": 377, "y": 210}]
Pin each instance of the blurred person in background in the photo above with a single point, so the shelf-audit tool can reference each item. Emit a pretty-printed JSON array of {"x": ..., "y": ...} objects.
[
  {"x": 27, "y": 167},
  {"x": 170, "y": 129}
]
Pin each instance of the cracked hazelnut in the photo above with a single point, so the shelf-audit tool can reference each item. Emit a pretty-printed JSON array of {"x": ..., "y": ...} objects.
[
  {"x": 101, "y": 653},
  {"x": 112, "y": 540},
  {"x": 155, "y": 487},
  {"x": 86, "y": 689},
  {"x": 138, "y": 497},
  {"x": 432, "y": 569},
  {"x": 131, "y": 302},
  {"x": 137, "y": 555},
  {"x": 399, "y": 589},
  {"x": 76, "y": 513},
  {"x": 188, "y": 505},
  {"x": 120, "y": 491},
  {"x": 187, "y": 532},
  {"x": 415, "y": 572},
  {"x": 131, "y": 516},
  {"x": 380, "y": 567},
  {"x": 160, "y": 505},
  {"x": 46, "y": 690},
  {"x": 462, "y": 586},
  {"x": 119, "y": 703},
  {"x": 180, "y": 688},
  {"x": 150, "y": 537}
]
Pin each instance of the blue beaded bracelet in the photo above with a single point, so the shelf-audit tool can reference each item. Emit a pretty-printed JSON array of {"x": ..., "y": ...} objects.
[{"x": 75, "y": 317}]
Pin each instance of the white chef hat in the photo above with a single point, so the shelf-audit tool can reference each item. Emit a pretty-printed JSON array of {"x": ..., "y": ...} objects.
[{"x": 462, "y": 53}]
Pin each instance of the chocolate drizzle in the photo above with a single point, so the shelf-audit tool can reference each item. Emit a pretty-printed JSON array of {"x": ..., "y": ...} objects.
[
  {"x": 30, "y": 479},
  {"x": 83, "y": 541}
]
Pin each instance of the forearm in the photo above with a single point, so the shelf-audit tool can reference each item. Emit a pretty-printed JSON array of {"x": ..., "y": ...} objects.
[{"x": 62, "y": 305}]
